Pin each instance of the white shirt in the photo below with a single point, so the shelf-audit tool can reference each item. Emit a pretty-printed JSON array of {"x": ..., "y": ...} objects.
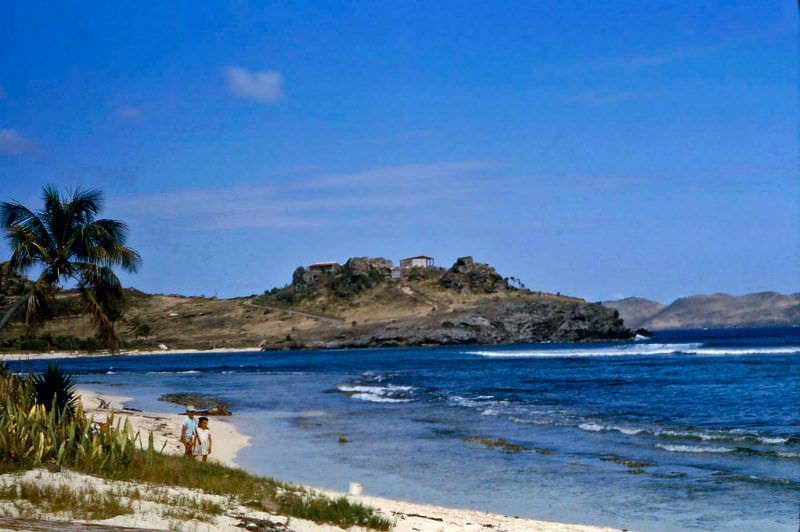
[{"x": 203, "y": 443}]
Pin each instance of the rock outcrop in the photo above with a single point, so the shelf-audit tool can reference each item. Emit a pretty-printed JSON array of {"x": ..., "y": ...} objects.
[
  {"x": 468, "y": 275},
  {"x": 340, "y": 281},
  {"x": 359, "y": 274},
  {"x": 470, "y": 303},
  {"x": 501, "y": 322}
]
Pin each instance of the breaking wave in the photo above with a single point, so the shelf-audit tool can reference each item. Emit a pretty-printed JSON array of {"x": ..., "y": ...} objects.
[
  {"x": 639, "y": 349},
  {"x": 378, "y": 394},
  {"x": 694, "y": 448},
  {"x": 733, "y": 435}
]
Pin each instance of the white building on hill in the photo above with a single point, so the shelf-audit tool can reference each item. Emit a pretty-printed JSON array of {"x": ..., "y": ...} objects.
[{"x": 420, "y": 261}]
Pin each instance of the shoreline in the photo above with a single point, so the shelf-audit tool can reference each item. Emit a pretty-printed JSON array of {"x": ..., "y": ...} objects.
[
  {"x": 228, "y": 441},
  {"x": 123, "y": 353},
  {"x": 166, "y": 427}
]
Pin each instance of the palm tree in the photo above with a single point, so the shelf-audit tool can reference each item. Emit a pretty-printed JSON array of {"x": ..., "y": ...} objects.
[{"x": 68, "y": 243}]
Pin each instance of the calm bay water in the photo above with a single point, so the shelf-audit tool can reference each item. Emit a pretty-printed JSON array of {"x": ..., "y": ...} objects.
[{"x": 688, "y": 430}]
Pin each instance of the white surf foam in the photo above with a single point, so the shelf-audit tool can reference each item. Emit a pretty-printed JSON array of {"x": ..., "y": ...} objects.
[
  {"x": 639, "y": 349},
  {"x": 375, "y": 398},
  {"x": 596, "y": 427},
  {"x": 773, "y": 441},
  {"x": 739, "y": 435},
  {"x": 712, "y": 351},
  {"x": 377, "y": 394},
  {"x": 694, "y": 449}
]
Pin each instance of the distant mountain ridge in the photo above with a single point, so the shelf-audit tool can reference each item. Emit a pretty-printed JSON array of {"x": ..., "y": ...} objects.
[{"x": 759, "y": 309}]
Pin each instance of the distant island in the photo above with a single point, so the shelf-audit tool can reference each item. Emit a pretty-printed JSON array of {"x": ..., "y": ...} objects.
[
  {"x": 363, "y": 302},
  {"x": 761, "y": 309}
]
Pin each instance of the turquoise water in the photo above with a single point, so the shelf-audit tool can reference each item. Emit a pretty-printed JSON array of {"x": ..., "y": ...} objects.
[{"x": 689, "y": 430}]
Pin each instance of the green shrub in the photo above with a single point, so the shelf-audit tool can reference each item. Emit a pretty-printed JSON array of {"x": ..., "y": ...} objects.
[
  {"x": 48, "y": 342},
  {"x": 31, "y": 436},
  {"x": 54, "y": 389}
]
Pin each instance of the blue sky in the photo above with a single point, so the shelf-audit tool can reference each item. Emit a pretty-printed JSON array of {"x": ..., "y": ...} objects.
[{"x": 596, "y": 149}]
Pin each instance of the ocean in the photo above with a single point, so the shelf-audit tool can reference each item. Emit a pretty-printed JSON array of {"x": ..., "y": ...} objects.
[{"x": 687, "y": 430}]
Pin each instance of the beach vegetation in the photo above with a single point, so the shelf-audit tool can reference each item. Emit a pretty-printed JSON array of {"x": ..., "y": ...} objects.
[
  {"x": 37, "y": 500},
  {"x": 68, "y": 243},
  {"x": 184, "y": 508},
  {"x": 32, "y": 435},
  {"x": 54, "y": 390}
]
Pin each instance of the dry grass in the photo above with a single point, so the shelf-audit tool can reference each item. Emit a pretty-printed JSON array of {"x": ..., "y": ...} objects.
[
  {"x": 36, "y": 500},
  {"x": 30, "y": 436},
  {"x": 208, "y": 323}
]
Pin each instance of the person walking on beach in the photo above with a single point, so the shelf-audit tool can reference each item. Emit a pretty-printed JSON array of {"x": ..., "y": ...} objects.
[
  {"x": 202, "y": 440},
  {"x": 188, "y": 432}
]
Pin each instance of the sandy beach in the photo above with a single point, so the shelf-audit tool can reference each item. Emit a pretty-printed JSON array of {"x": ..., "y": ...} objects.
[
  {"x": 228, "y": 441},
  {"x": 8, "y": 357},
  {"x": 166, "y": 428}
]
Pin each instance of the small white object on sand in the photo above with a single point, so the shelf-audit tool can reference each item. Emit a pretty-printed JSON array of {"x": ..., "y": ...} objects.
[{"x": 355, "y": 489}]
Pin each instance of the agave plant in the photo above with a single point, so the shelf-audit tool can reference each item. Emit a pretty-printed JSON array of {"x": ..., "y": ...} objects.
[
  {"x": 54, "y": 389},
  {"x": 32, "y": 434},
  {"x": 69, "y": 244}
]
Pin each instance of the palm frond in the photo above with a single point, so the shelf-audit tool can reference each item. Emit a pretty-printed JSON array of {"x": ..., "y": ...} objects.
[
  {"x": 53, "y": 213},
  {"x": 102, "y": 242},
  {"x": 103, "y": 294},
  {"x": 66, "y": 240},
  {"x": 26, "y": 248},
  {"x": 15, "y": 216},
  {"x": 81, "y": 209}
]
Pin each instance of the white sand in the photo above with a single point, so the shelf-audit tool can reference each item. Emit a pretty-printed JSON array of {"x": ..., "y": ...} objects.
[
  {"x": 4, "y": 357},
  {"x": 166, "y": 428},
  {"x": 227, "y": 442},
  {"x": 155, "y": 500},
  {"x": 153, "y": 503}
]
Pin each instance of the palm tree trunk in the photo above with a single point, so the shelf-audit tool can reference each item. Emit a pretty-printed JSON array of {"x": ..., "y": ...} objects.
[
  {"x": 19, "y": 302},
  {"x": 13, "y": 310}
]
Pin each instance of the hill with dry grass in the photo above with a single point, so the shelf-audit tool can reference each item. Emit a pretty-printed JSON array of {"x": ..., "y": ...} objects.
[{"x": 361, "y": 303}]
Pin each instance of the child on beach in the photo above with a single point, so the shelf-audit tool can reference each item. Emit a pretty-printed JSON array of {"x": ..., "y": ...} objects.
[
  {"x": 202, "y": 439},
  {"x": 188, "y": 430}
]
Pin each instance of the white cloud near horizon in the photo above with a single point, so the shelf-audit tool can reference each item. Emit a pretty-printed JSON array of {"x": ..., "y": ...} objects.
[
  {"x": 655, "y": 58},
  {"x": 401, "y": 175},
  {"x": 264, "y": 87},
  {"x": 305, "y": 202},
  {"x": 13, "y": 144},
  {"x": 128, "y": 113},
  {"x": 597, "y": 99}
]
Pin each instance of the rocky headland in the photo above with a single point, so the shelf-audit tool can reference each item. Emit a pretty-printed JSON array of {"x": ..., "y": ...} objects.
[
  {"x": 469, "y": 303},
  {"x": 364, "y": 302}
]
